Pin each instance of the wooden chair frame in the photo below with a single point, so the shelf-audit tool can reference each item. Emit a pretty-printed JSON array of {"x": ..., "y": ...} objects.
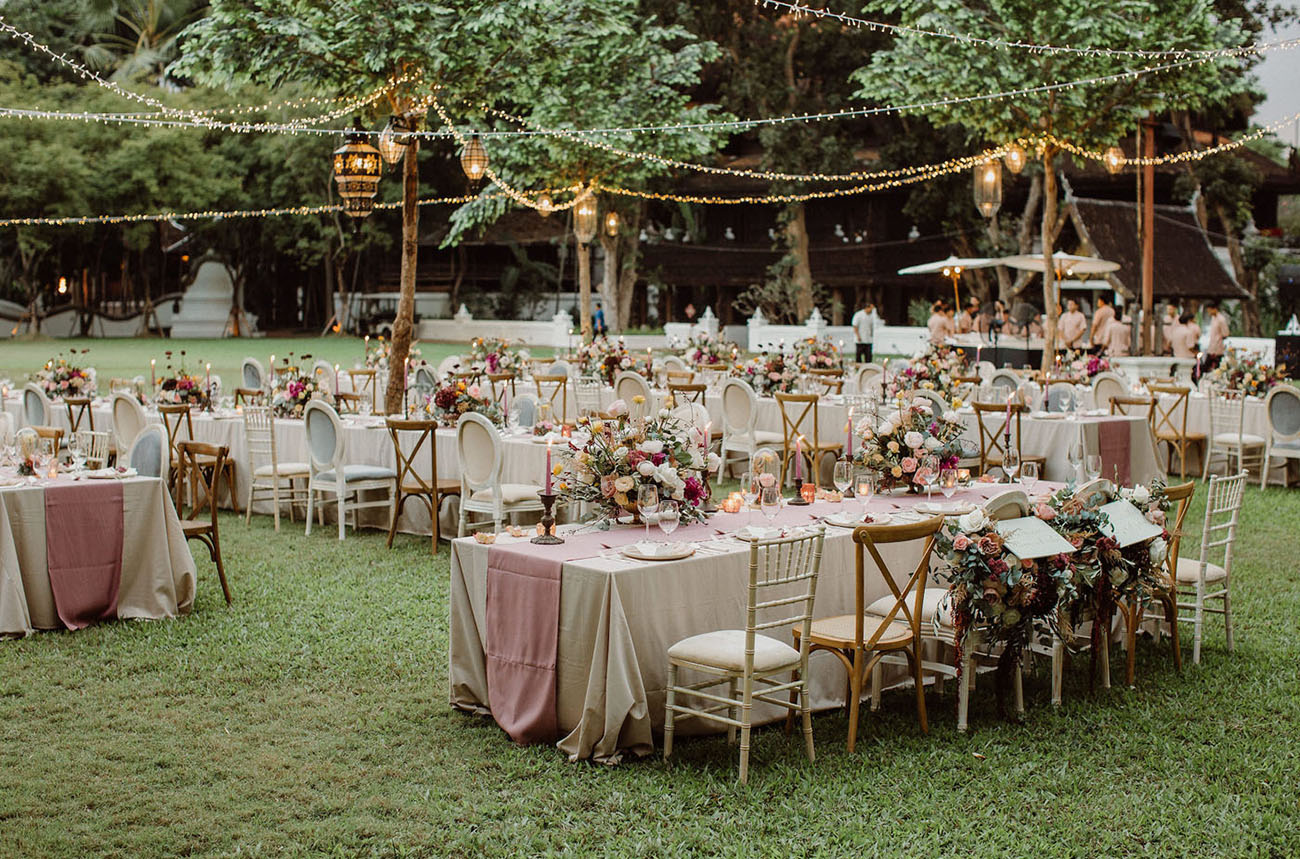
[
  {"x": 79, "y": 409},
  {"x": 204, "y": 464},
  {"x": 993, "y": 441},
  {"x": 804, "y": 404},
  {"x": 1169, "y": 423},
  {"x": 410, "y": 483},
  {"x": 1179, "y": 495},
  {"x": 171, "y": 414},
  {"x": 560, "y": 389}
]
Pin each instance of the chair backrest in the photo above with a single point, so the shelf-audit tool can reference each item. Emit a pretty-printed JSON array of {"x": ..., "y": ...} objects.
[
  {"x": 128, "y": 419},
  {"x": 149, "y": 453},
  {"x": 526, "y": 409},
  {"x": 1282, "y": 407},
  {"x": 364, "y": 382},
  {"x": 1096, "y": 491},
  {"x": 94, "y": 445},
  {"x": 259, "y": 437},
  {"x": 1060, "y": 396},
  {"x": 911, "y": 589},
  {"x": 53, "y": 434},
  {"x": 79, "y": 409},
  {"x": 938, "y": 405},
  {"x": 1010, "y": 504},
  {"x": 324, "y": 373},
  {"x": 782, "y": 587},
  {"x": 7, "y": 428},
  {"x": 325, "y": 441},
  {"x": 795, "y": 410},
  {"x": 550, "y": 388},
  {"x": 993, "y": 434},
  {"x": 985, "y": 369},
  {"x": 252, "y": 374},
  {"x": 1140, "y": 406},
  {"x": 673, "y": 364},
  {"x": 693, "y": 415},
  {"x": 559, "y": 368},
  {"x": 1222, "y": 512},
  {"x": 1169, "y": 414},
  {"x": 424, "y": 382},
  {"x": 249, "y": 395},
  {"x": 1227, "y": 413},
  {"x": 1105, "y": 386},
  {"x": 36, "y": 406},
  {"x": 1180, "y": 497},
  {"x": 739, "y": 408},
  {"x": 687, "y": 392},
  {"x": 180, "y": 426},
  {"x": 587, "y": 392},
  {"x": 1005, "y": 378},
  {"x": 410, "y": 478},
  {"x": 498, "y": 384},
  {"x": 628, "y": 386},
  {"x": 818, "y": 382},
  {"x": 449, "y": 365},
  {"x": 202, "y": 465},
  {"x": 866, "y": 373},
  {"x": 478, "y": 447}
]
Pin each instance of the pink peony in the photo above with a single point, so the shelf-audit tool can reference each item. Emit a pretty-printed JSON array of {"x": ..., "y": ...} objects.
[
  {"x": 961, "y": 542},
  {"x": 607, "y": 486},
  {"x": 909, "y": 464},
  {"x": 1045, "y": 512}
]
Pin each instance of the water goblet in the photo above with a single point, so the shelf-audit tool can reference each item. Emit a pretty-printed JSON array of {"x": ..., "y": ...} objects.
[
  {"x": 1092, "y": 466},
  {"x": 749, "y": 491},
  {"x": 1029, "y": 476},
  {"x": 647, "y": 504},
  {"x": 929, "y": 474},
  {"x": 770, "y": 502},
  {"x": 77, "y": 450},
  {"x": 1075, "y": 456},
  {"x": 842, "y": 477},
  {"x": 1011, "y": 463},
  {"x": 669, "y": 516},
  {"x": 948, "y": 481}
]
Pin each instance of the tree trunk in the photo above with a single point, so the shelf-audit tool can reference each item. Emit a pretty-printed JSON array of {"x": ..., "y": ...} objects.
[
  {"x": 1008, "y": 289},
  {"x": 405, "y": 321},
  {"x": 1247, "y": 278},
  {"x": 611, "y": 245},
  {"x": 796, "y": 232},
  {"x": 584, "y": 289},
  {"x": 629, "y": 267},
  {"x": 1050, "y": 302}
]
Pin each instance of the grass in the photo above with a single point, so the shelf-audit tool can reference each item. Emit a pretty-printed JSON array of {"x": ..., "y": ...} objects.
[{"x": 311, "y": 718}]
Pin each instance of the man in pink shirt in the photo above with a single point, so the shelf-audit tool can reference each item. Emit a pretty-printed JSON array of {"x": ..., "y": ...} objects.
[
  {"x": 1102, "y": 317},
  {"x": 1073, "y": 325},
  {"x": 1218, "y": 334},
  {"x": 1118, "y": 337},
  {"x": 1183, "y": 336},
  {"x": 937, "y": 324}
]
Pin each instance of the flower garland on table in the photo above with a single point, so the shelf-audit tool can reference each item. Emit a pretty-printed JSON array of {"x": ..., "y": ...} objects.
[
  {"x": 817, "y": 353},
  {"x": 1241, "y": 371},
  {"x": 937, "y": 369},
  {"x": 704, "y": 348},
  {"x": 59, "y": 378},
  {"x": 767, "y": 374},
  {"x": 291, "y": 400},
  {"x": 894, "y": 450},
  {"x": 377, "y": 354},
  {"x": 992, "y": 590},
  {"x": 451, "y": 401},
  {"x": 1101, "y": 572},
  {"x": 604, "y": 358},
  {"x": 620, "y": 457},
  {"x": 497, "y": 355}
]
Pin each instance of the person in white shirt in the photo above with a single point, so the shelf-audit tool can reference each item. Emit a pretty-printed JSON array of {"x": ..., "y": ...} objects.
[{"x": 864, "y": 324}]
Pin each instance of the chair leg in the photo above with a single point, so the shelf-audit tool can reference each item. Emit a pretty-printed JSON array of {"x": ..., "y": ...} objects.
[
  {"x": 460, "y": 531},
  {"x": 248, "y": 504},
  {"x": 1132, "y": 618},
  {"x": 228, "y": 473},
  {"x": 311, "y": 507},
  {"x": 1058, "y": 671},
  {"x": 805, "y": 712},
  {"x": 963, "y": 693},
  {"x": 1227, "y": 617},
  {"x": 1199, "y": 622},
  {"x": 1018, "y": 688},
  {"x": 392, "y": 519},
  {"x": 221, "y": 568},
  {"x": 731, "y": 711},
  {"x": 1104, "y": 659},
  {"x": 855, "y": 696},
  {"x": 1171, "y": 618},
  {"x": 877, "y": 683},
  {"x": 920, "y": 687},
  {"x": 746, "y": 717},
  {"x": 343, "y": 512},
  {"x": 669, "y": 715},
  {"x": 275, "y": 500}
]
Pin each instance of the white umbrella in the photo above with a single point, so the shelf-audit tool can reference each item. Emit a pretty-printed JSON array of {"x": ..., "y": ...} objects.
[
  {"x": 952, "y": 267},
  {"x": 1065, "y": 265}
]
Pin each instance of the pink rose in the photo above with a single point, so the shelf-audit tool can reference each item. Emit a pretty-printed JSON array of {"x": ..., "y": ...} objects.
[
  {"x": 961, "y": 542},
  {"x": 989, "y": 545},
  {"x": 1045, "y": 512},
  {"x": 1156, "y": 516},
  {"x": 473, "y": 391},
  {"x": 607, "y": 486},
  {"x": 909, "y": 463}
]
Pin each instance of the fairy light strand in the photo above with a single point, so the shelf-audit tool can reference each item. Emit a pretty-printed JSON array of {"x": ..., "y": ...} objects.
[{"x": 802, "y": 10}]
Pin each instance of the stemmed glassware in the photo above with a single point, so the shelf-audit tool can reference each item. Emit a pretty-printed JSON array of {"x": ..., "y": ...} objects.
[
  {"x": 1011, "y": 463},
  {"x": 669, "y": 516},
  {"x": 749, "y": 491},
  {"x": 930, "y": 471},
  {"x": 948, "y": 481},
  {"x": 77, "y": 449},
  {"x": 842, "y": 478},
  {"x": 647, "y": 504},
  {"x": 770, "y": 502},
  {"x": 1075, "y": 455},
  {"x": 1029, "y": 476},
  {"x": 1092, "y": 466}
]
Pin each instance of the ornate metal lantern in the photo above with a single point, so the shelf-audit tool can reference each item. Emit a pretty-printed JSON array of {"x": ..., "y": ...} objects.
[
  {"x": 988, "y": 187},
  {"x": 611, "y": 223},
  {"x": 392, "y": 140},
  {"x": 1015, "y": 158},
  {"x": 584, "y": 218},
  {"x": 545, "y": 205},
  {"x": 474, "y": 159},
  {"x": 357, "y": 168},
  {"x": 1114, "y": 159}
]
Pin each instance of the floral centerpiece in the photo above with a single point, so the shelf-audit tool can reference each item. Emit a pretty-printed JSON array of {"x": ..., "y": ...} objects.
[
  {"x": 1079, "y": 365},
  {"x": 816, "y": 353},
  {"x": 497, "y": 355},
  {"x": 60, "y": 377},
  {"x": 621, "y": 456},
  {"x": 704, "y": 348},
  {"x": 546, "y": 427},
  {"x": 177, "y": 386},
  {"x": 896, "y": 449},
  {"x": 936, "y": 369},
  {"x": 1242, "y": 371},
  {"x": 297, "y": 391},
  {"x": 604, "y": 358},
  {"x": 451, "y": 401},
  {"x": 767, "y": 374},
  {"x": 377, "y": 353}
]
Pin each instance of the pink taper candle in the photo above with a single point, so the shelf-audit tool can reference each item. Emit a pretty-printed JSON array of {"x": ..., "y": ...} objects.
[
  {"x": 548, "y": 467},
  {"x": 798, "y": 457}
]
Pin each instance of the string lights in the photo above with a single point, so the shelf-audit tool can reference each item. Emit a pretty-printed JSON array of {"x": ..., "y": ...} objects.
[{"x": 801, "y": 10}]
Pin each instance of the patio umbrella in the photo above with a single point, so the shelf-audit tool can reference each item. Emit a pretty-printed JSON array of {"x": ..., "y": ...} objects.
[
  {"x": 952, "y": 267},
  {"x": 1065, "y": 265}
]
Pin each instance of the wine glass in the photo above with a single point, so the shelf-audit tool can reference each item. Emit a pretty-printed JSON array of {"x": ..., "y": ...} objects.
[
  {"x": 1092, "y": 466},
  {"x": 647, "y": 504},
  {"x": 77, "y": 450},
  {"x": 669, "y": 516},
  {"x": 1075, "y": 455},
  {"x": 865, "y": 487},
  {"x": 1029, "y": 476},
  {"x": 948, "y": 481},
  {"x": 842, "y": 477},
  {"x": 749, "y": 491},
  {"x": 1011, "y": 463},
  {"x": 929, "y": 474},
  {"x": 770, "y": 502}
]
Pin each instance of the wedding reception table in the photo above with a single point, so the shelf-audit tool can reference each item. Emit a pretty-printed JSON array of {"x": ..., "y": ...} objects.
[
  {"x": 568, "y": 643},
  {"x": 73, "y": 552}
]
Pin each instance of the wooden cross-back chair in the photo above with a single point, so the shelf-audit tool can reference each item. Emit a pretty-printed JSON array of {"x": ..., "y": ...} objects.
[
  {"x": 411, "y": 482},
  {"x": 180, "y": 427},
  {"x": 1180, "y": 498},
  {"x": 827, "y": 372},
  {"x": 203, "y": 465},
  {"x": 1169, "y": 422},
  {"x": 550, "y": 388},
  {"x": 249, "y": 396},
  {"x": 825, "y": 384},
  {"x": 364, "y": 382},
  {"x": 687, "y": 392},
  {"x": 79, "y": 409},
  {"x": 860, "y": 640},
  {"x": 993, "y": 441},
  {"x": 349, "y": 403},
  {"x": 804, "y": 408},
  {"x": 499, "y": 383},
  {"x": 53, "y": 434},
  {"x": 1136, "y": 405},
  {"x": 782, "y": 587},
  {"x": 679, "y": 377}
]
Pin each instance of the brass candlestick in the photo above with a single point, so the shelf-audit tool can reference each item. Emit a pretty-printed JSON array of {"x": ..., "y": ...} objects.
[{"x": 547, "y": 538}]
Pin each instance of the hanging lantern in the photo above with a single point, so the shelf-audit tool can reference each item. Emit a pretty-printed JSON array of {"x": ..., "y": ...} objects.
[
  {"x": 1015, "y": 158},
  {"x": 545, "y": 205},
  {"x": 392, "y": 141},
  {"x": 474, "y": 159},
  {"x": 611, "y": 223},
  {"x": 584, "y": 218},
  {"x": 1114, "y": 159},
  {"x": 357, "y": 168},
  {"x": 988, "y": 187}
]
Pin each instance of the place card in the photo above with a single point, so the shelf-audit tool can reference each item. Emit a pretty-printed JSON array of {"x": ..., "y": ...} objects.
[
  {"x": 1030, "y": 537},
  {"x": 1126, "y": 524}
]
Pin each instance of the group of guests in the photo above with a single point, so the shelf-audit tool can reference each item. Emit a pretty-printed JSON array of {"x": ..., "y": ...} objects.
[{"x": 1183, "y": 336}]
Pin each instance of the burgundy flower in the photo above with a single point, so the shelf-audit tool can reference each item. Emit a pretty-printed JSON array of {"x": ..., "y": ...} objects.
[{"x": 694, "y": 491}]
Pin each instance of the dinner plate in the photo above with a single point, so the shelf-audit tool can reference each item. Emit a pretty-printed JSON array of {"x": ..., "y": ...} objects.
[
  {"x": 1048, "y": 416},
  {"x": 949, "y": 508},
  {"x": 110, "y": 473},
  {"x": 845, "y": 520},
  {"x": 751, "y": 533},
  {"x": 658, "y": 551}
]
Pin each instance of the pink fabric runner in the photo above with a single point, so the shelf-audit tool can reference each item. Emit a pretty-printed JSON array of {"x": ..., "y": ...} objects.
[
  {"x": 523, "y": 602},
  {"x": 1115, "y": 444},
  {"x": 83, "y": 546}
]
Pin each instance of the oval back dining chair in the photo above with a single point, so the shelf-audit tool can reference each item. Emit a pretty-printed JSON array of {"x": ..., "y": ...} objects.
[
  {"x": 525, "y": 410},
  {"x": 867, "y": 375},
  {"x": 740, "y": 433},
  {"x": 1006, "y": 379},
  {"x": 253, "y": 375},
  {"x": 560, "y": 368},
  {"x": 325, "y": 375},
  {"x": 627, "y": 387},
  {"x": 1106, "y": 386},
  {"x": 149, "y": 453},
  {"x": 426, "y": 381},
  {"x": 1010, "y": 504},
  {"x": 331, "y": 475},
  {"x": 1282, "y": 409},
  {"x": 478, "y": 447},
  {"x": 37, "y": 411},
  {"x": 128, "y": 419},
  {"x": 673, "y": 364},
  {"x": 1060, "y": 397}
]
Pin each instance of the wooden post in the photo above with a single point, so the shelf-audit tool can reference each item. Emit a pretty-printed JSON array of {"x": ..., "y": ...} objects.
[
  {"x": 1050, "y": 298},
  {"x": 1148, "y": 236},
  {"x": 404, "y": 323},
  {"x": 584, "y": 290}
]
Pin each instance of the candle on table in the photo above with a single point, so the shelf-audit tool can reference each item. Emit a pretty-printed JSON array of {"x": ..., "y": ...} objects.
[
  {"x": 406, "y": 369},
  {"x": 153, "y": 373},
  {"x": 336, "y": 380},
  {"x": 207, "y": 378},
  {"x": 798, "y": 457},
  {"x": 848, "y": 433},
  {"x": 273, "y": 372},
  {"x": 548, "y": 466}
]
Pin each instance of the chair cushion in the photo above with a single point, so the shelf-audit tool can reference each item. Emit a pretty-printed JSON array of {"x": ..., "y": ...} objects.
[
  {"x": 359, "y": 472},
  {"x": 511, "y": 493},
  {"x": 283, "y": 468},
  {"x": 1231, "y": 438},
  {"x": 1189, "y": 570},
  {"x": 767, "y": 437},
  {"x": 726, "y": 649},
  {"x": 838, "y": 632},
  {"x": 935, "y": 600}
]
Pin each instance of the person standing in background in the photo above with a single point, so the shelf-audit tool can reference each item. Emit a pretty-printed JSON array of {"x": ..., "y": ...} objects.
[
  {"x": 1219, "y": 333},
  {"x": 1073, "y": 325},
  {"x": 598, "y": 321},
  {"x": 937, "y": 324},
  {"x": 966, "y": 319},
  {"x": 1171, "y": 321},
  {"x": 1101, "y": 320},
  {"x": 864, "y": 331},
  {"x": 1183, "y": 336},
  {"x": 1119, "y": 337}
]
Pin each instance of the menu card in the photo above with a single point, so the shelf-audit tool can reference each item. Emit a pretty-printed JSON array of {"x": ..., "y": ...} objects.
[
  {"x": 1126, "y": 524},
  {"x": 1031, "y": 537}
]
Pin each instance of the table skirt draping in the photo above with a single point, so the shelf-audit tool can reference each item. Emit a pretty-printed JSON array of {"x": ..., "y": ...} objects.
[
  {"x": 158, "y": 572},
  {"x": 617, "y": 619}
]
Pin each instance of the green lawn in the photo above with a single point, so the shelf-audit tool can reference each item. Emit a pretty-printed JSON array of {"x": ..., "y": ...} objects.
[{"x": 311, "y": 718}]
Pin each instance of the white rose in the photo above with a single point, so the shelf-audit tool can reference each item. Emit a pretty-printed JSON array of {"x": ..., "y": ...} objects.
[
  {"x": 951, "y": 417},
  {"x": 715, "y": 462},
  {"x": 1141, "y": 495},
  {"x": 646, "y": 468},
  {"x": 663, "y": 414},
  {"x": 652, "y": 447},
  {"x": 886, "y": 428},
  {"x": 697, "y": 458},
  {"x": 913, "y": 439},
  {"x": 1159, "y": 550},
  {"x": 933, "y": 444},
  {"x": 976, "y": 520},
  {"x": 621, "y": 453}
]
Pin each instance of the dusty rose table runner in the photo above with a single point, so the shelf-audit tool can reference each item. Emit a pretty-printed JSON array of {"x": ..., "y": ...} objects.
[
  {"x": 83, "y": 540},
  {"x": 1115, "y": 444}
]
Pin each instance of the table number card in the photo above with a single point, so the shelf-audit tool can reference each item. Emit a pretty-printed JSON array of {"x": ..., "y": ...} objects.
[
  {"x": 1126, "y": 524},
  {"x": 1031, "y": 537}
]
